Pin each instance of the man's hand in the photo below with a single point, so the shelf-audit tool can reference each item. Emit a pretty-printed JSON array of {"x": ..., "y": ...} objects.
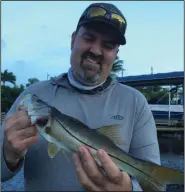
[
  {"x": 19, "y": 135},
  {"x": 93, "y": 179}
]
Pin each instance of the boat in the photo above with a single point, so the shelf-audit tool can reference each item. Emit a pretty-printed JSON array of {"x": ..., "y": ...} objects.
[{"x": 170, "y": 113}]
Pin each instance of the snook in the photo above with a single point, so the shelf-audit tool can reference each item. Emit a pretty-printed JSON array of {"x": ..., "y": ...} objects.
[{"x": 66, "y": 133}]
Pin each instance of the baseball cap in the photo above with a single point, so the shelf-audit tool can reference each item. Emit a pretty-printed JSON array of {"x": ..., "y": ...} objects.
[{"x": 106, "y": 13}]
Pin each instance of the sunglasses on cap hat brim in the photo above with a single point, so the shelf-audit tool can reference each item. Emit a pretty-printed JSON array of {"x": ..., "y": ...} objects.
[{"x": 100, "y": 13}]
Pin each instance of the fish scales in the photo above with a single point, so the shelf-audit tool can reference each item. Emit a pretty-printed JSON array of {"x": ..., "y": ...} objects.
[{"x": 67, "y": 134}]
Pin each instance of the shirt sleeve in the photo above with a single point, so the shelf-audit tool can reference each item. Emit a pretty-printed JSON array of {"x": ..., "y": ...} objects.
[
  {"x": 6, "y": 173},
  {"x": 144, "y": 143}
]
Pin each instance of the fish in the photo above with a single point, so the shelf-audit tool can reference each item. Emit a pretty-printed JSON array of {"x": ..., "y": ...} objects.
[{"x": 67, "y": 134}]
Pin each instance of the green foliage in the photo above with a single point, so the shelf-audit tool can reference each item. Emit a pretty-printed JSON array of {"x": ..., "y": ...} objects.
[
  {"x": 32, "y": 81},
  {"x": 117, "y": 67},
  {"x": 156, "y": 94},
  {"x": 10, "y": 94},
  {"x": 8, "y": 77}
]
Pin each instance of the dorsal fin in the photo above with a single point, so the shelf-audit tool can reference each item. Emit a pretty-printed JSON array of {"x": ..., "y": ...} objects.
[{"x": 112, "y": 132}]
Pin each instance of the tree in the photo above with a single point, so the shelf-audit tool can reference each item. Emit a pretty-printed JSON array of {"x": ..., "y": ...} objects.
[
  {"x": 8, "y": 77},
  {"x": 117, "y": 67},
  {"x": 9, "y": 95},
  {"x": 32, "y": 81},
  {"x": 155, "y": 94}
]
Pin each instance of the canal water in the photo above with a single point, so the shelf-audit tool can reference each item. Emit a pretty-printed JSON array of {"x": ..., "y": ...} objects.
[{"x": 172, "y": 155}]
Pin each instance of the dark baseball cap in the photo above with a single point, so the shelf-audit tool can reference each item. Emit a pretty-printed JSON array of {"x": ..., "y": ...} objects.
[{"x": 106, "y": 13}]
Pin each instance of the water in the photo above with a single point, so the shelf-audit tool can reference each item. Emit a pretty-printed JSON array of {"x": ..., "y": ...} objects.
[{"x": 172, "y": 155}]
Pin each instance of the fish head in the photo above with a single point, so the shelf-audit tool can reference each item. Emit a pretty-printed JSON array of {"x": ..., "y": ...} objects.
[{"x": 38, "y": 111}]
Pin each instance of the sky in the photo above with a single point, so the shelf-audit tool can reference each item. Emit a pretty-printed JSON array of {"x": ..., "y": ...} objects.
[{"x": 36, "y": 36}]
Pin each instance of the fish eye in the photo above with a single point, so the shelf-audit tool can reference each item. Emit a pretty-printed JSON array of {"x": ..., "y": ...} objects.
[
  {"x": 47, "y": 130},
  {"x": 42, "y": 121}
]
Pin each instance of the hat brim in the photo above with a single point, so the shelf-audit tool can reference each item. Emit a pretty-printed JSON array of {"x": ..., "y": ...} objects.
[{"x": 121, "y": 37}]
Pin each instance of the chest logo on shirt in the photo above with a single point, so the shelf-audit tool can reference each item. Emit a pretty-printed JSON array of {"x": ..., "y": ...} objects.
[{"x": 117, "y": 117}]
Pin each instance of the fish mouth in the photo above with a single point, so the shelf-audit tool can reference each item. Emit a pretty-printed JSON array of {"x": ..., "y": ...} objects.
[{"x": 42, "y": 121}]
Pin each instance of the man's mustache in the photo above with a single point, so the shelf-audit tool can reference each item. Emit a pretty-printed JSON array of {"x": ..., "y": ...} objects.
[{"x": 98, "y": 58}]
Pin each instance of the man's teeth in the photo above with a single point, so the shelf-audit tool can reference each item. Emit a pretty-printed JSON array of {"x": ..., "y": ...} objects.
[{"x": 90, "y": 60}]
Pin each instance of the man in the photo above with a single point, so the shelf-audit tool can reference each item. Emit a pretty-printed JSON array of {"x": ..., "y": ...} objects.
[{"x": 87, "y": 93}]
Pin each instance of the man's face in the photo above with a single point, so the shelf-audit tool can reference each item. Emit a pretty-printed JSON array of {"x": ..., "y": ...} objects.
[{"x": 93, "y": 52}]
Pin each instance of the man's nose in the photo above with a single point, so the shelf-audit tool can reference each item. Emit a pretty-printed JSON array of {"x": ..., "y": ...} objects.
[{"x": 96, "y": 49}]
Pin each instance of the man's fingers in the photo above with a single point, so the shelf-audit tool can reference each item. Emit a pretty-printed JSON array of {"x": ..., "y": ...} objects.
[
  {"x": 21, "y": 134},
  {"x": 91, "y": 167},
  {"x": 17, "y": 114},
  {"x": 112, "y": 171},
  {"x": 82, "y": 175},
  {"x": 27, "y": 132},
  {"x": 18, "y": 123},
  {"x": 26, "y": 143}
]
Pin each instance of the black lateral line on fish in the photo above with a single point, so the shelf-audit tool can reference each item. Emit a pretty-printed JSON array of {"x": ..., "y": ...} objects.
[
  {"x": 108, "y": 153},
  {"x": 51, "y": 107}
]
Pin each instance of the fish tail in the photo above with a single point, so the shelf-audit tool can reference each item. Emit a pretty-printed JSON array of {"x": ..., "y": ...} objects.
[
  {"x": 158, "y": 177},
  {"x": 167, "y": 175},
  {"x": 149, "y": 175}
]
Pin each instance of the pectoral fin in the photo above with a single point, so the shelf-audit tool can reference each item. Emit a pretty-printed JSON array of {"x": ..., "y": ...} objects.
[
  {"x": 52, "y": 150},
  {"x": 112, "y": 132}
]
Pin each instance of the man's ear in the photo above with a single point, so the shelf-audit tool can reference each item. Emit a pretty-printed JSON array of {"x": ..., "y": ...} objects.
[{"x": 73, "y": 39}]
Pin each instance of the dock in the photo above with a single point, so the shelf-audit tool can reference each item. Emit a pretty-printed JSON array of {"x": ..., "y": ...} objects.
[
  {"x": 170, "y": 129},
  {"x": 168, "y": 115},
  {"x": 170, "y": 132}
]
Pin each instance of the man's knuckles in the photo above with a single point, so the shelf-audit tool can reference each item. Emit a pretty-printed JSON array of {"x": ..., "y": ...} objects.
[
  {"x": 85, "y": 182},
  {"x": 17, "y": 145},
  {"x": 96, "y": 177},
  {"x": 28, "y": 132},
  {"x": 117, "y": 178},
  {"x": 16, "y": 115},
  {"x": 21, "y": 113},
  {"x": 19, "y": 123}
]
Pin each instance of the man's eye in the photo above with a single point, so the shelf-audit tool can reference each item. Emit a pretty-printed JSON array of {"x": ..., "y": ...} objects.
[
  {"x": 88, "y": 37},
  {"x": 109, "y": 45}
]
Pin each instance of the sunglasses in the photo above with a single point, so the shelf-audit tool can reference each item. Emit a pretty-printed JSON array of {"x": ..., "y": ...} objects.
[{"x": 99, "y": 12}]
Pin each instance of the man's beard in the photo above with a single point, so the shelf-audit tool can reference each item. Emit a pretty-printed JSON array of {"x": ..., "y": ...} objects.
[
  {"x": 90, "y": 78},
  {"x": 84, "y": 74}
]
